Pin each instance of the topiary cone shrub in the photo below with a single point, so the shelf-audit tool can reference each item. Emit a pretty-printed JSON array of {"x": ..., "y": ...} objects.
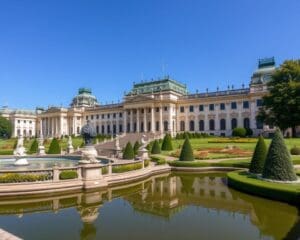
[
  {"x": 167, "y": 143},
  {"x": 128, "y": 152},
  {"x": 156, "y": 148},
  {"x": 259, "y": 156},
  {"x": 136, "y": 147},
  {"x": 34, "y": 146},
  {"x": 186, "y": 151},
  {"x": 239, "y": 132},
  {"x": 54, "y": 147},
  {"x": 278, "y": 165}
]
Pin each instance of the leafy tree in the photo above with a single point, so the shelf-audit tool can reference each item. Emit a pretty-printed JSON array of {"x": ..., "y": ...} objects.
[
  {"x": 278, "y": 165},
  {"x": 54, "y": 147},
  {"x": 259, "y": 156},
  {"x": 156, "y": 148},
  {"x": 128, "y": 152},
  {"x": 5, "y": 128},
  {"x": 281, "y": 106},
  {"x": 167, "y": 143},
  {"x": 239, "y": 132},
  {"x": 186, "y": 151},
  {"x": 34, "y": 146},
  {"x": 136, "y": 147}
]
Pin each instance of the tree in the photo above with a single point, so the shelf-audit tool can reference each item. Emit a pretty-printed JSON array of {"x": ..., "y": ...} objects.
[
  {"x": 34, "y": 146},
  {"x": 186, "y": 151},
  {"x": 136, "y": 147},
  {"x": 167, "y": 143},
  {"x": 5, "y": 128},
  {"x": 128, "y": 152},
  {"x": 54, "y": 147},
  {"x": 278, "y": 165},
  {"x": 156, "y": 148},
  {"x": 281, "y": 106},
  {"x": 259, "y": 156}
]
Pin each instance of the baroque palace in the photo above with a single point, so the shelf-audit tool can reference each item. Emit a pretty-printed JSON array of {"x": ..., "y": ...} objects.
[{"x": 154, "y": 107}]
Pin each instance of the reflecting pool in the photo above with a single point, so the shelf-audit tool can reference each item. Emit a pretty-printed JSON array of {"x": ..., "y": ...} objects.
[{"x": 169, "y": 206}]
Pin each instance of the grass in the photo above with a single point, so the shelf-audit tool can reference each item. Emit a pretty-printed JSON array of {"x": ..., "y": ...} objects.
[
  {"x": 287, "y": 192},
  {"x": 126, "y": 167},
  {"x": 225, "y": 163}
]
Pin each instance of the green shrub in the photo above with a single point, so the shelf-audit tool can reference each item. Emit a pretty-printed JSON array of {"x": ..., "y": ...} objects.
[
  {"x": 34, "y": 146},
  {"x": 249, "y": 132},
  {"x": 54, "y": 147},
  {"x": 239, "y": 132},
  {"x": 278, "y": 165},
  {"x": 259, "y": 156},
  {"x": 104, "y": 170},
  {"x": 68, "y": 174},
  {"x": 155, "y": 148},
  {"x": 128, "y": 152},
  {"x": 146, "y": 162},
  {"x": 136, "y": 147},
  {"x": 126, "y": 167},
  {"x": 186, "y": 151},
  {"x": 295, "y": 150},
  {"x": 167, "y": 143},
  {"x": 158, "y": 160},
  {"x": 6, "y": 152},
  {"x": 17, "y": 177}
]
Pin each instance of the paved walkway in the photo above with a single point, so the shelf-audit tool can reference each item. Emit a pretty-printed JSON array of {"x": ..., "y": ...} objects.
[
  {"x": 7, "y": 236},
  {"x": 170, "y": 158}
]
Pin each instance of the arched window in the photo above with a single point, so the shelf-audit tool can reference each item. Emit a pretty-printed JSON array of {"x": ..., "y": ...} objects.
[
  {"x": 233, "y": 123},
  {"x": 142, "y": 126},
  {"x": 211, "y": 125},
  {"x": 78, "y": 130},
  {"x": 24, "y": 133},
  {"x": 192, "y": 126},
  {"x": 201, "y": 125},
  {"x": 246, "y": 123},
  {"x": 102, "y": 129},
  {"x": 149, "y": 126},
  {"x": 165, "y": 126},
  {"x": 259, "y": 124},
  {"x": 182, "y": 126},
  {"x": 97, "y": 129},
  {"x": 223, "y": 124},
  {"x": 114, "y": 129},
  {"x": 108, "y": 129}
]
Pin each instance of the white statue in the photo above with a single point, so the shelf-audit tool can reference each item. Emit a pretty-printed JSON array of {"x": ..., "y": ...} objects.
[
  {"x": 70, "y": 148},
  {"x": 20, "y": 152}
]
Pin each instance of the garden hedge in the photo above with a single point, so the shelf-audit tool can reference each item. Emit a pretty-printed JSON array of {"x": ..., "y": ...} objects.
[
  {"x": 259, "y": 156},
  {"x": 186, "y": 151},
  {"x": 128, "y": 152},
  {"x": 156, "y": 148},
  {"x": 68, "y": 174},
  {"x": 167, "y": 143},
  {"x": 54, "y": 147}
]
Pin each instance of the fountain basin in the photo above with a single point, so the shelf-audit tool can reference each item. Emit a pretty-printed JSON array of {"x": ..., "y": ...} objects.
[{"x": 21, "y": 162}]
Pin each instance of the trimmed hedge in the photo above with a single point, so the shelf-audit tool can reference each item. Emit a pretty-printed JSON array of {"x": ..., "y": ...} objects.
[
  {"x": 136, "y": 147},
  {"x": 158, "y": 160},
  {"x": 200, "y": 164},
  {"x": 128, "y": 152},
  {"x": 239, "y": 132},
  {"x": 186, "y": 151},
  {"x": 259, "y": 156},
  {"x": 295, "y": 150},
  {"x": 167, "y": 143},
  {"x": 54, "y": 147},
  {"x": 34, "y": 146},
  {"x": 126, "y": 167},
  {"x": 278, "y": 165},
  {"x": 68, "y": 174},
  {"x": 17, "y": 177},
  {"x": 248, "y": 183},
  {"x": 156, "y": 148}
]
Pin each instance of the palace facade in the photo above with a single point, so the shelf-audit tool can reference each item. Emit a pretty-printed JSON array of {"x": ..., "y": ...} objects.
[{"x": 157, "y": 107}]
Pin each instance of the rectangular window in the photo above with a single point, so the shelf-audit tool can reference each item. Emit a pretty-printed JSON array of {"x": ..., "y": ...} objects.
[
  {"x": 18, "y": 121},
  {"x": 191, "y": 108},
  {"x": 24, "y": 121},
  {"x": 87, "y": 117},
  {"x": 114, "y": 115},
  {"x": 246, "y": 104},
  {"x": 166, "y": 109},
  {"x": 182, "y": 109},
  {"x": 97, "y": 116},
  {"x": 233, "y": 105},
  {"x": 222, "y": 106},
  {"x": 120, "y": 115},
  {"x": 92, "y": 117},
  {"x": 259, "y": 102},
  {"x": 30, "y": 122},
  {"x": 157, "y": 109},
  {"x": 102, "y": 116},
  {"x": 108, "y": 115},
  {"x": 201, "y": 108},
  {"x": 211, "y": 107}
]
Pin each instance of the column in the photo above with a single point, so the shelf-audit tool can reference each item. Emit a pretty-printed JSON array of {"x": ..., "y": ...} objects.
[
  {"x": 41, "y": 127},
  {"x": 152, "y": 120},
  {"x": 138, "y": 120},
  {"x": 117, "y": 123},
  {"x": 161, "y": 119},
  {"x": 131, "y": 120},
  {"x": 145, "y": 120},
  {"x": 61, "y": 126},
  {"x": 170, "y": 128},
  {"x": 125, "y": 121},
  {"x": 73, "y": 123}
]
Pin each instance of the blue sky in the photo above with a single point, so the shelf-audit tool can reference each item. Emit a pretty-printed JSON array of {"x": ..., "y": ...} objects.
[{"x": 48, "y": 49}]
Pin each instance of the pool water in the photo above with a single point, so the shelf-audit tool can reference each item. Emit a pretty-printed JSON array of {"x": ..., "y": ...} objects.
[{"x": 164, "y": 207}]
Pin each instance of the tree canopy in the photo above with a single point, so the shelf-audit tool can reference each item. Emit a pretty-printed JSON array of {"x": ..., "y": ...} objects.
[
  {"x": 281, "y": 106},
  {"x": 5, "y": 128}
]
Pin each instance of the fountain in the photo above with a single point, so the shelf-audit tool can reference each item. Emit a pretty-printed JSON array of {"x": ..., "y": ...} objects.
[
  {"x": 89, "y": 153},
  {"x": 20, "y": 152}
]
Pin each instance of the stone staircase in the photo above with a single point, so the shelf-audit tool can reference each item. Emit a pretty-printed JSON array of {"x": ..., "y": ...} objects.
[{"x": 107, "y": 148}]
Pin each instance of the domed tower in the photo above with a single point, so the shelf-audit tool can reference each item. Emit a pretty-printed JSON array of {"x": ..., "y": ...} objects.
[{"x": 84, "y": 98}]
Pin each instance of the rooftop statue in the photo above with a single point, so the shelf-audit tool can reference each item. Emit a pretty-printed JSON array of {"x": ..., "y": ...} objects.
[{"x": 88, "y": 133}]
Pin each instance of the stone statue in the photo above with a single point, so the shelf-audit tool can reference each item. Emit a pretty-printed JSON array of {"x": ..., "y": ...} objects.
[
  {"x": 70, "y": 148},
  {"x": 88, "y": 133}
]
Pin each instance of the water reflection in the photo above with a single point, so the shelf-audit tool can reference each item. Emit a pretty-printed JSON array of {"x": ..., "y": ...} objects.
[{"x": 166, "y": 197}]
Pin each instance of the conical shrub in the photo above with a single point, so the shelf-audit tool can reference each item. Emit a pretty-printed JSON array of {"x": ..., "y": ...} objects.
[
  {"x": 259, "y": 156},
  {"x": 167, "y": 143},
  {"x": 128, "y": 152},
  {"x": 34, "y": 146},
  {"x": 156, "y": 148},
  {"x": 136, "y": 147},
  {"x": 54, "y": 147},
  {"x": 278, "y": 165},
  {"x": 186, "y": 151}
]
